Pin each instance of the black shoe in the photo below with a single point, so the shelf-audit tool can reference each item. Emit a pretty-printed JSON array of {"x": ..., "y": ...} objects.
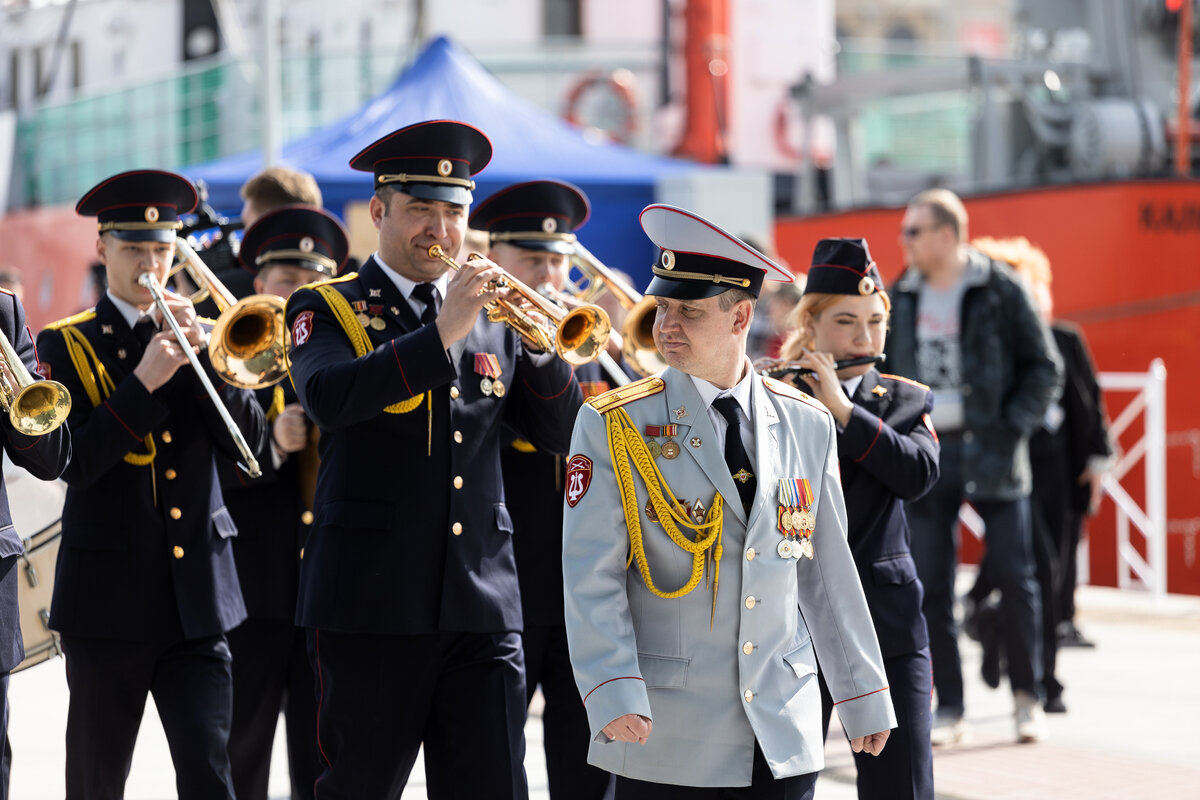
[
  {"x": 1054, "y": 705},
  {"x": 989, "y": 637},
  {"x": 1069, "y": 636}
]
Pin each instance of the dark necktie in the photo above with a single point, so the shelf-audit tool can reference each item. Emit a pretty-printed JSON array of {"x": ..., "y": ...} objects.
[
  {"x": 427, "y": 293},
  {"x": 144, "y": 331},
  {"x": 740, "y": 468}
]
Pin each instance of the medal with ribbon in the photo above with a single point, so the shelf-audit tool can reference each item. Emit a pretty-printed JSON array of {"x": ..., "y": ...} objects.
[
  {"x": 795, "y": 518},
  {"x": 669, "y": 449},
  {"x": 488, "y": 366}
]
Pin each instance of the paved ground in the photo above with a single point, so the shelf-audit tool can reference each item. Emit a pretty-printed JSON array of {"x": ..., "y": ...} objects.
[{"x": 1128, "y": 734}]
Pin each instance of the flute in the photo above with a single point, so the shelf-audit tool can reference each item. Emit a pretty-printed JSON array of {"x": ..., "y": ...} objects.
[{"x": 794, "y": 368}]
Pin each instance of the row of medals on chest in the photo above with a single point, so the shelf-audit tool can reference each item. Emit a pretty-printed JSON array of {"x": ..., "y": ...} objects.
[{"x": 490, "y": 384}]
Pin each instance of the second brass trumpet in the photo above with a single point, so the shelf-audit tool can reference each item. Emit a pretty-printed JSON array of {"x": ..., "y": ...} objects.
[{"x": 579, "y": 335}]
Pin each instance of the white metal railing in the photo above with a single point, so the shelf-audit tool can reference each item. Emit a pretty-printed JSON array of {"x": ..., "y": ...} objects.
[{"x": 1150, "y": 522}]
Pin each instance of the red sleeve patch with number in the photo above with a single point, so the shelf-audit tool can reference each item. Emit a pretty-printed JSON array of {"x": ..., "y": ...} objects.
[
  {"x": 579, "y": 478},
  {"x": 302, "y": 328}
]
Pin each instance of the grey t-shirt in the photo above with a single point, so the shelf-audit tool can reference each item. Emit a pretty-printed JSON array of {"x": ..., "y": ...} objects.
[{"x": 939, "y": 352}]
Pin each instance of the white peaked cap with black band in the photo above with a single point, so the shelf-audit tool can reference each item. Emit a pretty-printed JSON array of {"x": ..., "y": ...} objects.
[{"x": 698, "y": 259}]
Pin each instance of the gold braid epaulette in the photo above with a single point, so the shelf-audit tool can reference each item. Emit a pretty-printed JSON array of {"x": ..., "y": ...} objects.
[
  {"x": 626, "y": 446},
  {"x": 615, "y": 398},
  {"x": 341, "y": 309},
  {"x": 94, "y": 375},
  {"x": 74, "y": 319}
]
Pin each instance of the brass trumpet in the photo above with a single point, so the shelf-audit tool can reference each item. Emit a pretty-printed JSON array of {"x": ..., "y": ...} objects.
[
  {"x": 150, "y": 282},
  {"x": 637, "y": 332},
  {"x": 249, "y": 342},
  {"x": 579, "y": 336},
  {"x": 35, "y": 407}
]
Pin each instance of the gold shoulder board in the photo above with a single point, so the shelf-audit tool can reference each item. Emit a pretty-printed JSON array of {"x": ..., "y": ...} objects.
[
  {"x": 787, "y": 390},
  {"x": 82, "y": 316},
  {"x": 349, "y": 276},
  {"x": 615, "y": 398},
  {"x": 902, "y": 379}
]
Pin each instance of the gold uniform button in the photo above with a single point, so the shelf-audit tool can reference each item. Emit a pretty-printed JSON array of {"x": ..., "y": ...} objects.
[
  {"x": 307, "y": 517},
  {"x": 750, "y": 554},
  {"x": 751, "y": 601},
  {"x": 178, "y": 551},
  {"x": 175, "y": 513},
  {"x": 458, "y": 481},
  {"x": 749, "y": 695},
  {"x": 453, "y": 392},
  {"x": 301, "y": 553},
  {"x": 458, "y": 437},
  {"x": 748, "y": 648},
  {"x": 166, "y": 437},
  {"x": 170, "y": 474},
  {"x": 456, "y": 529}
]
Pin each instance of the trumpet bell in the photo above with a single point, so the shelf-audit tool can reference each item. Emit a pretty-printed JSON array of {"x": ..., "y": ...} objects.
[
  {"x": 582, "y": 335},
  {"x": 40, "y": 407},
  {"x": 249, "y": 342},
  {"x": 639, "y": 349}
]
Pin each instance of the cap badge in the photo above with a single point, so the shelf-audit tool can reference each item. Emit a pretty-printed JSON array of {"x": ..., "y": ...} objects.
[
  {"x": 668, "y": 259},
  {"x": 866, "y": 285},
  {"x": 549, "y": 225},
  {"x": 151, "y": 214},
  {"x": 445, "y": 167},
  {"x": 306, "y": 244}
]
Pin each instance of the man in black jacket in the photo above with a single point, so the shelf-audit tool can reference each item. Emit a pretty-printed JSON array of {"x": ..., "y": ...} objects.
[{"x": 963, "y": 325}]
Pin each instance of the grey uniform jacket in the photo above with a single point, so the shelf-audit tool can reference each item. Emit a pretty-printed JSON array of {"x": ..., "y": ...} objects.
[{"x": 712, "y": 693}]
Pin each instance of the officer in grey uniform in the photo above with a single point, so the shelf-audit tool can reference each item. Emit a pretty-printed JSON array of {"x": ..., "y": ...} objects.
[{"x": 706, "y": 568}]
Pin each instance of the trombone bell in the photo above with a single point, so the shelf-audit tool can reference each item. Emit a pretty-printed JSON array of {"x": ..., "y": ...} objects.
[
  {"x": 249, "y": 342},
  {"x": 35, "y": 407}
]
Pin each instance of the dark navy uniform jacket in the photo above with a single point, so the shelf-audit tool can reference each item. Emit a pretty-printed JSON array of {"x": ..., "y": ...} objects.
[
  {"x": 533, "y": 488},
  {"x": 145, "y": 552},
  {"x": 270, "y": 517},
  {"x": 412, "y": 534},
  {"x": 888, "y": 455},
  {"x": 44, "y": 457}
]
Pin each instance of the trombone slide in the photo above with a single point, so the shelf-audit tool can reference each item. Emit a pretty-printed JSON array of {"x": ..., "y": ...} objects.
[{"x": 251, "y": 465}]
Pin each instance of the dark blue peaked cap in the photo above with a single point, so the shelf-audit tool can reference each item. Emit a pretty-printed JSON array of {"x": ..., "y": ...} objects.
[
  {"x": 843, "y": 266},
  {"x": 298, "y": 235},
  {"x": 431, "y": 160},
  {"x": 535, "y": 215},
  {"x": 142, "y": 205}
]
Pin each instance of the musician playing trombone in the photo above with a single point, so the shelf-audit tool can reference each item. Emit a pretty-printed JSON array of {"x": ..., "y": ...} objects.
[
  {"x": 146, "y": 586},
  {"x": 888, "y": 455},
  {"x": 409, "y": 585},
  {"x": 45, "y": 456},
  {"x": 531, "y": 228}
]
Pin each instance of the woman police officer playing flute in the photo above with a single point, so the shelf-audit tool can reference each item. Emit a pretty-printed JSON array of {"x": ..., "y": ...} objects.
[{"x": 889, "y": 454}]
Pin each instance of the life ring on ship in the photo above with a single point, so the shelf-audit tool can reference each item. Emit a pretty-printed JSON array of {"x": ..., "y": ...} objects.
[{"x": 619, "y": 84}]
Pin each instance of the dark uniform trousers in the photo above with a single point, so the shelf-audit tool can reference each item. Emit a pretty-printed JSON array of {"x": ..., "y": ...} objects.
[
  {"x": 145, "y": 585},
  {"x": 409, "y": 584},
  {"x": 533, "y": 490},
  {"x": 888, "y": 455},
  {"x": 271, "y": 671},
  {"x": 763, "y": 786},
  {"x": 45, "y": 457}
]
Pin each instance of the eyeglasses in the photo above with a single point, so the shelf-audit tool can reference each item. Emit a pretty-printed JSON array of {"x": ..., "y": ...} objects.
[{"x": 915, "y": 231}]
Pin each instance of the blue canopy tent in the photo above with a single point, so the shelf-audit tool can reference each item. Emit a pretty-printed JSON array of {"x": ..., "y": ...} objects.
[{"x": 444, "y": 82}]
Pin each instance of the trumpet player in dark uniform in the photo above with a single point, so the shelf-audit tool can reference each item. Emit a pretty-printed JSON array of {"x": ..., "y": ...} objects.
[
  {"x": 145, "y": 588},
  {"x": 284, "y": 249},
  {"x": 42, "y": 450},
  {"x": 888, "y": 453},
  {"x": 409, "y": 585},
  {"x": 531, "y": 229}
]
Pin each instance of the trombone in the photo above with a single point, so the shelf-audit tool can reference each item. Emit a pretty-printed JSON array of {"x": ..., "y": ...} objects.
[
  {"x": 579, "y": 335},
  {"x": 637, "y": 332},
  {"x": 35, "y": 407},
  {"x": 150, "y": 282},
  {"x": 249, "y": 341}
]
